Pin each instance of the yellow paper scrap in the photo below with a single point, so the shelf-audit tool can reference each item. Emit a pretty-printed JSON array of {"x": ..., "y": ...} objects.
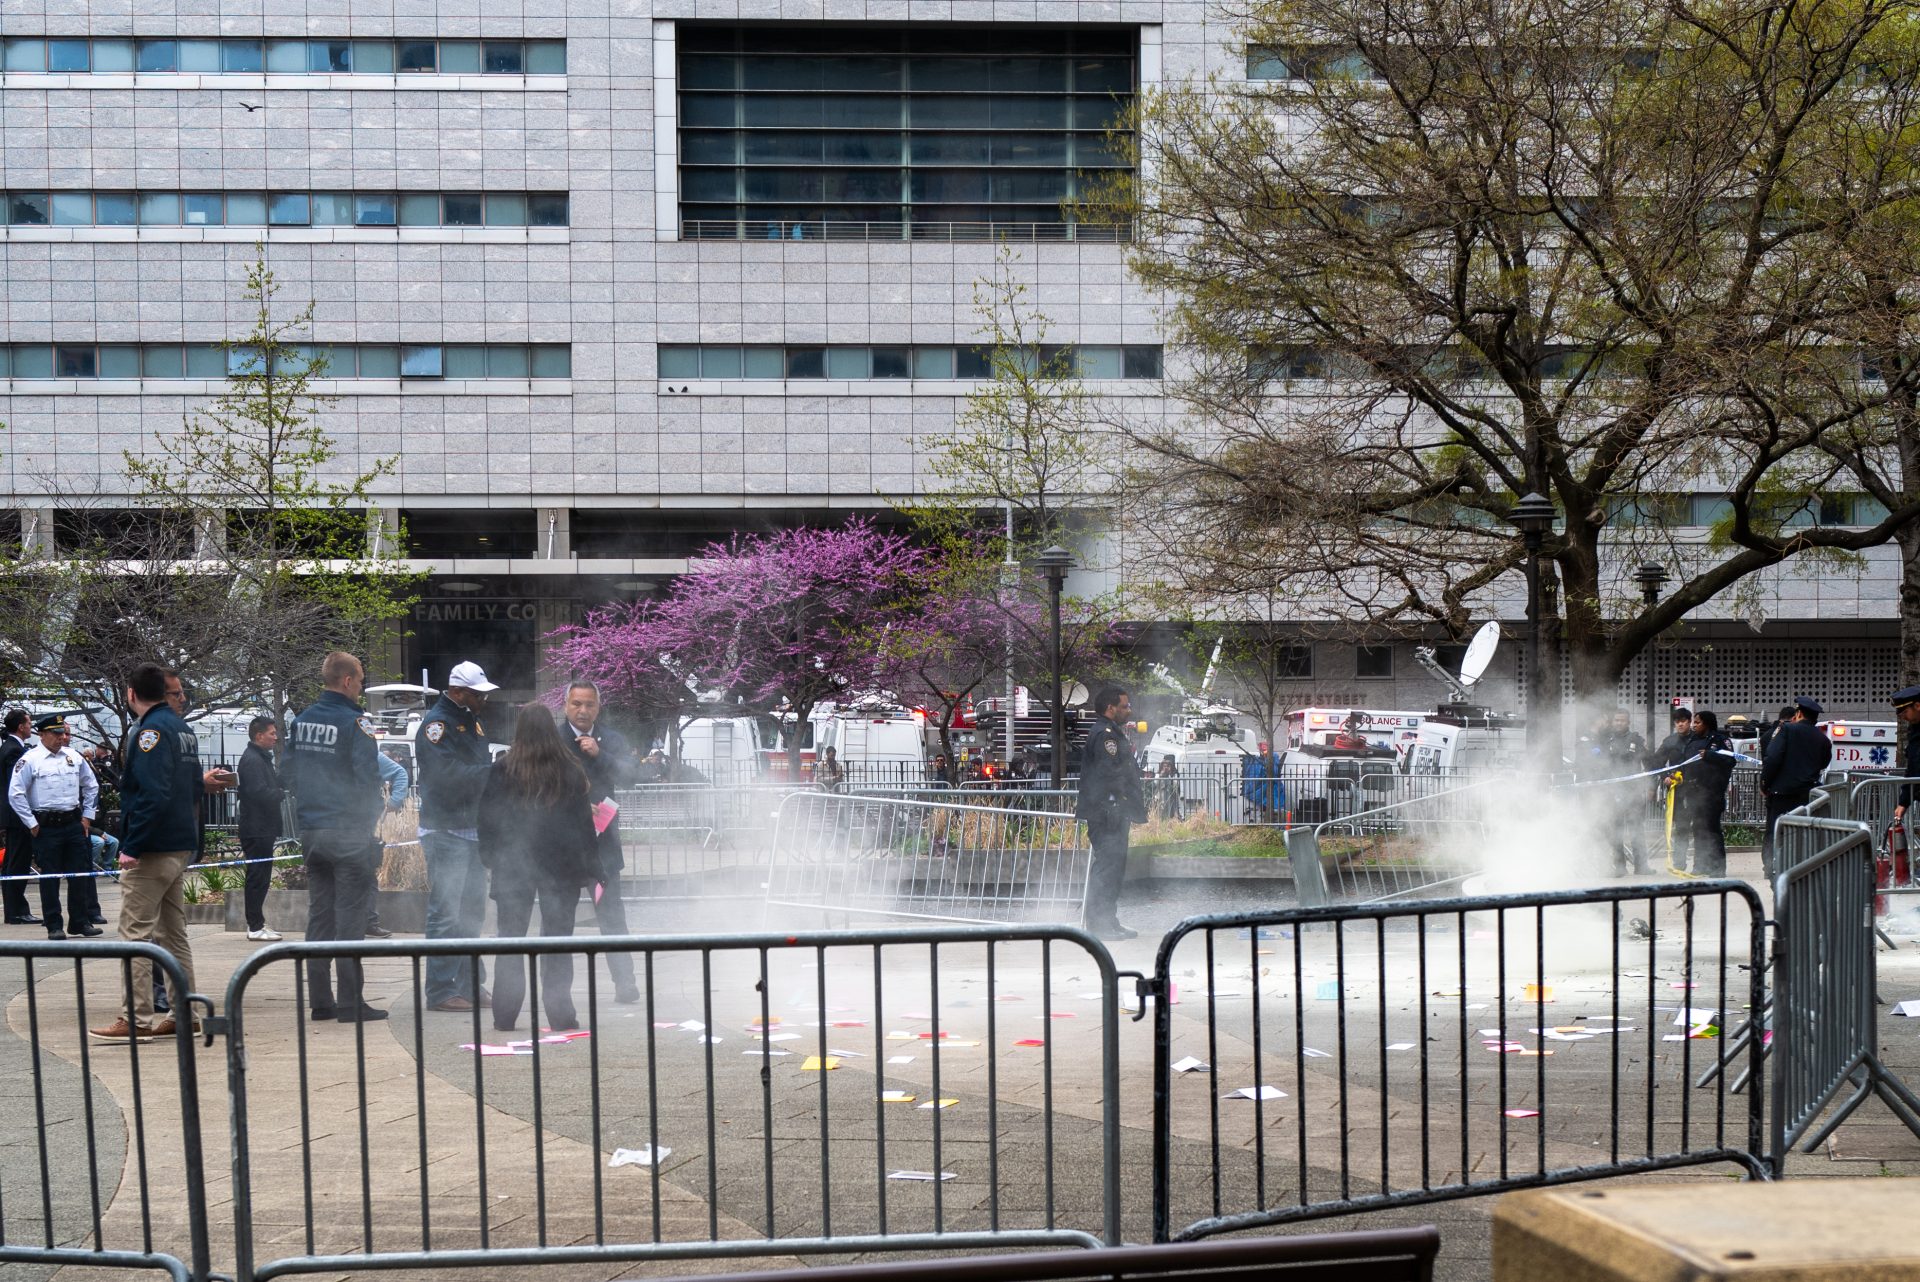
[
  {"x": 896, "y": 1097},
  {"x": 814, "y": 1064},
  {"x": 1537, "y": 992},
  {"x": 945, "y": 1103}
]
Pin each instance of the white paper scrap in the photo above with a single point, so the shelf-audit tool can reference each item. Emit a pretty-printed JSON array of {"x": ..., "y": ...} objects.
[
  {"x": 1191, "y": 1065},
  {"x": 899, "y": 1059},
  {"x": 1401, "y": 1046},
  {"x": 1256, "y": 1092},
  {"x": 1910, "y": 1009},
  {"x": 1307, "y": 1052},
  {"x": 766, "y": 1052},
  {"x": 639, "y": 1156},
  {"x": 693, "y": 1026},
  {"x": 1693, "y": 1017},
  {"x": 926, "y": 1176}
]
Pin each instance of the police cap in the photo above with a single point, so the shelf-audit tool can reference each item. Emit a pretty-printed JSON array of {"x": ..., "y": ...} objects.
[
  {"x": 1812, "y": 706},
  {"x": 51, "y": 721},
  {"x": 1901, "y": 698}
]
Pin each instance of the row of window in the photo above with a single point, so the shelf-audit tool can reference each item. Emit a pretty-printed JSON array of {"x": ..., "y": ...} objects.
[
  {"x": 1458, "y": 364},
  {"x": 1084, "y": 150},
  {"x": 1130, "y": 361},
  {"x": 1332, "y": 62},
  {"x": 1673, "y": 511},
  {"x": 226, "y": 55},
  {"x": 283, "y": 209},
  {"x": 211, "y": 361}
]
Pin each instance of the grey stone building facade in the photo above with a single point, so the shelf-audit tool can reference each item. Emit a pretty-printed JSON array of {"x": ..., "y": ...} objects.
[{"x": 608, "y": 279}]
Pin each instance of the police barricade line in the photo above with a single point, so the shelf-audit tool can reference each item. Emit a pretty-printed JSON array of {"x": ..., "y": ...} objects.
[
  {"x": 1043, "y": 800},
  {"x": 766, "y": 1094},
  {"x": 692, "y": 841},
  {"x": 221, "y": 863},
  {"x": 927, "y": 859},
  {"x": 1825, "y": 1012},
  {"x": 1351, "y": 1059},
  {"x": 89, "y": 1176},
  {"x": 1418, "y": 844}
]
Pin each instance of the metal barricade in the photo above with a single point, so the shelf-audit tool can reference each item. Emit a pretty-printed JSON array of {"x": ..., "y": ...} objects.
[
  {"x": 1825, "y": 1013},
  {"x": 928, "y": 859},
  {"x": 1419, "y": 844},
  {"x": 89, "y": 1120},
  {"x": 1359, "y": 1058},
  {"x": 1872, "y": 802},
  {"x": 700, "y": 840},
  {"x": 897, "y": 1091}
]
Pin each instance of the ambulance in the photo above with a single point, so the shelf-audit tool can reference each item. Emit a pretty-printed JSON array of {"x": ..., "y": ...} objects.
[
  {"x": 1324, "y": 727},
  {"x": 1864, "y": 745}
]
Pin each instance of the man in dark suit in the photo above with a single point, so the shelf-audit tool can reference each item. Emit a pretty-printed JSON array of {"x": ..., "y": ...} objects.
[
  {"x": 1797, "y": 755},
  {"x": 19, "y": 861},
  {"x": 608, "y": 759}
]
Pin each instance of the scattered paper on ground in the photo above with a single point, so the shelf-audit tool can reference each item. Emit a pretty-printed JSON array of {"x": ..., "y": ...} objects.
[
  {"x": 897, "y": 1097},
  {"x": 1693, "y": 1017},
  {"x": 1031, "y": 1041},
  {"x": 639, "y": 1156},
  {"x": 919, "y": 1175},
  {"x": 1328, "y": 991},
  {"x": 1536, "y": 992},
  {"x": 1523, "y": 1112},
  {"x": 486, "y": 1049},
  {"x": 1308, "y": 1052},
  {"x": 692, "y": 1026},
  {"x": 899, "y": 1059},
  {"x": 1401, "y": 1046},
  {"x": 1256, "y": 1092},
  {"x": 944, "y": 1103},
  {"x": 814, "y": 1064},
  {"x": 1191, "y": 1065},
  {"x": 1910, "y": 1009}
]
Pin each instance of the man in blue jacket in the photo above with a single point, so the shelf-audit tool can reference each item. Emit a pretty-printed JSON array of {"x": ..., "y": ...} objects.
[
  {"x": 453, "y": 760},
  {"x": 335, "y": 765},
  {"x": 160, "y": 791}
]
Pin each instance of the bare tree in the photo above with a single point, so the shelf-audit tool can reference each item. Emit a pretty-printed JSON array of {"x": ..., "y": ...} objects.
[{"x": 1610, "y": 252}]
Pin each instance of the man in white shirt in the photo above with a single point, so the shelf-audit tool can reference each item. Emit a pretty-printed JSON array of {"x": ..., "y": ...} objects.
[{"x": 53, "y": 792}]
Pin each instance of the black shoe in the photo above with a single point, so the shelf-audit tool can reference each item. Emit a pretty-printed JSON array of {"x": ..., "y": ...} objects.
[
  {"x": 628, "y": 996},
  {"x": 365, "y": 1015},
  {"x": 97, "y": 919},
  {"x": 28, "y": 920},
  {"x": 379, "y": 932},
  {"x": 56, "y": 934},
  {"x": 85, "y": 928},
  {"x": 321, "y": 1014}
]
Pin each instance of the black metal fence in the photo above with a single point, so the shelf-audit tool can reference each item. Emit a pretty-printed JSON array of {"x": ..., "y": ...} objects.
[
  {"x": 81, "y": 1111},
  {"x": 895, "y": 1092},
  {"x": 1487, "y": 1084}
]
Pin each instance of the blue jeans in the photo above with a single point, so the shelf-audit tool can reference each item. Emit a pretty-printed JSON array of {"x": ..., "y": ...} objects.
[{"x": 456, "y": 907}]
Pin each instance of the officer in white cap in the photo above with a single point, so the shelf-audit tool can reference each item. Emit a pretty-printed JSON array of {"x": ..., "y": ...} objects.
[
  {"x": 451, "y": 748},
  {"x": 54, "y": 795}
]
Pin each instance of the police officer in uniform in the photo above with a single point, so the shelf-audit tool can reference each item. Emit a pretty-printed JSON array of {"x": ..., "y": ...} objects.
[
  {"x": 54, "y": 796},
  {"x": 1906, "y": 710},
  {"x": 1111, "y": 801},
  {"x": 451, "y": 751},
  {"x": 1797, "y": 754},
  {"x": 18, "y": 867},
  {"x": 335, "y": 765}
]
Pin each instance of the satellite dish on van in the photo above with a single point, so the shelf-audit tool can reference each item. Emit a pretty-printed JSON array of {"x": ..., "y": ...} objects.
[
  {"x": 1073, "y": 695},
  {"x": 1479, "y": 653}
]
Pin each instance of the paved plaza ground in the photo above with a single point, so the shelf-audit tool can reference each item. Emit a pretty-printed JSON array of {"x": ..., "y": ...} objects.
[{"x": 393, "y": 1153}]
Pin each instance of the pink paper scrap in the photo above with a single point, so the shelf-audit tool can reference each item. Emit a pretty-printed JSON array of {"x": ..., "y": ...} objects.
[{"x": 1523, "y": 1112}]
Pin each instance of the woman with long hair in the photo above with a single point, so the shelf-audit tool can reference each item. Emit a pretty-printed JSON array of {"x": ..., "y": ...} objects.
[{"x": 537, "y": 840}]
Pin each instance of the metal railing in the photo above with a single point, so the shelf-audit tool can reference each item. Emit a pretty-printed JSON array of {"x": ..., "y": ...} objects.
[
  {"x": 926, "y": 1119},
  {"x": 83, "y": 1111},
  {"x": 817, "y": 230},
  {"x": 853, "y": 853},
  {"x": 1825, "y": 1012},
  {"x": 1497, "y": 1078},
  {"x": 1417, "y": 844}
]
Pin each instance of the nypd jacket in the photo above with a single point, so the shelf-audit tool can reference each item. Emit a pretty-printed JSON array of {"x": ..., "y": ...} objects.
[
  {"x": 451, "y": 749},
  {"x": 335, "y": 765},
  {"x": 160, "y": 786},
  {"x": 1110, "y": 791},
  {"x": 1796, "y": 756}
]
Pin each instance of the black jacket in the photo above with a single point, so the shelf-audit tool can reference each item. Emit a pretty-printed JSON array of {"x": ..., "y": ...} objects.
[
  {"x": 333, "y": 765},
  {"x": 1911, "y": 764},
  {"x": 525, "y": 845},
  {"x": 1704, "y": 782},
  {"x": 451, "y": 749},
  {"x": 160, "y": 787},
  {"x": 1796, "y": 757},
  {"x": 615, "y": 768},
  {"x": 11, "y": 750},
  {"x": 260, "y": 795},
  {"x": 1672, "y": 750},
  {"x": 1110, "y": 791}
]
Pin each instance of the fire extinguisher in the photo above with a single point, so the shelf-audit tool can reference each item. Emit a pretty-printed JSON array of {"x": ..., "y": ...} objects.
[{"x": 1891, "y": 866}]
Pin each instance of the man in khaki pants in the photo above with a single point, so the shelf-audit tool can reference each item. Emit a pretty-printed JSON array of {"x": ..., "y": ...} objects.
[{"x": 160, "y": 806}]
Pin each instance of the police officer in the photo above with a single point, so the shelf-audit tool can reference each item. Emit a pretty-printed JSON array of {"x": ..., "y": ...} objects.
[
  {"x": 451, "y": 751},
  {"x": 608, "y": 759},
  {"x": 18, "y": 868},
  {"x": 1111, "y": 801},
  {"x": 1622, "y": 753},
  {"x": 335, "y": 766},
  {"x": 54, "y": 796},
  {"x": 160, "y": 789},
  {"x": 1906, "y": 709},
  {"x": 1796, "y": 756}
]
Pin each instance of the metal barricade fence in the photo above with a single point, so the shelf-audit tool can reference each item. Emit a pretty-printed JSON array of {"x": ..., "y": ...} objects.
[
  {"x": 1542, "y": 1046},
  {"x": 1825, "y": 1012},
  {"x": 83, "y": 1112},
  {"x": 1872, "y": 802},
  {"x": 1418, "y": 844},
  {"x": 928, "y": 859},
  {"x": 897, "y": 1091},
  {"x": 700, "y": 840}
]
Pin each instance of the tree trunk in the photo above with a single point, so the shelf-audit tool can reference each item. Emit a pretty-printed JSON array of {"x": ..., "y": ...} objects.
[
  {"x": 1909, "y": 543},
  {"x": 801, "y": 718}
]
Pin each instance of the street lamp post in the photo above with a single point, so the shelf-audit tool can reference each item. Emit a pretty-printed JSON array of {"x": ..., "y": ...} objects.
[
  {"x": 1651, "y": 579},
  {"x": 1533, "y": 516},
  {"x": 1054, "y": 562}
]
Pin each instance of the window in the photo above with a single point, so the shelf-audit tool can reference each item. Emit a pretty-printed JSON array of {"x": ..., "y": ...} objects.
[
  {"x": 908, "y": 134},
  {"x": 1373, "y": 662},
  {"x": 1293, "y": 662},
  {"x": 242, "y": 56},
  {"x": 283, "y": 209},
  {"x": 126, "y": 532},
  {"x": 726, "y": 361},
  {"x": 210, "y": 361},
  {"x": 470, "y": 532}
]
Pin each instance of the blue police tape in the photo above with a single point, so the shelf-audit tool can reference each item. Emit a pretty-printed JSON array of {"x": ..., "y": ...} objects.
[{"x": 224, "y": 863}]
